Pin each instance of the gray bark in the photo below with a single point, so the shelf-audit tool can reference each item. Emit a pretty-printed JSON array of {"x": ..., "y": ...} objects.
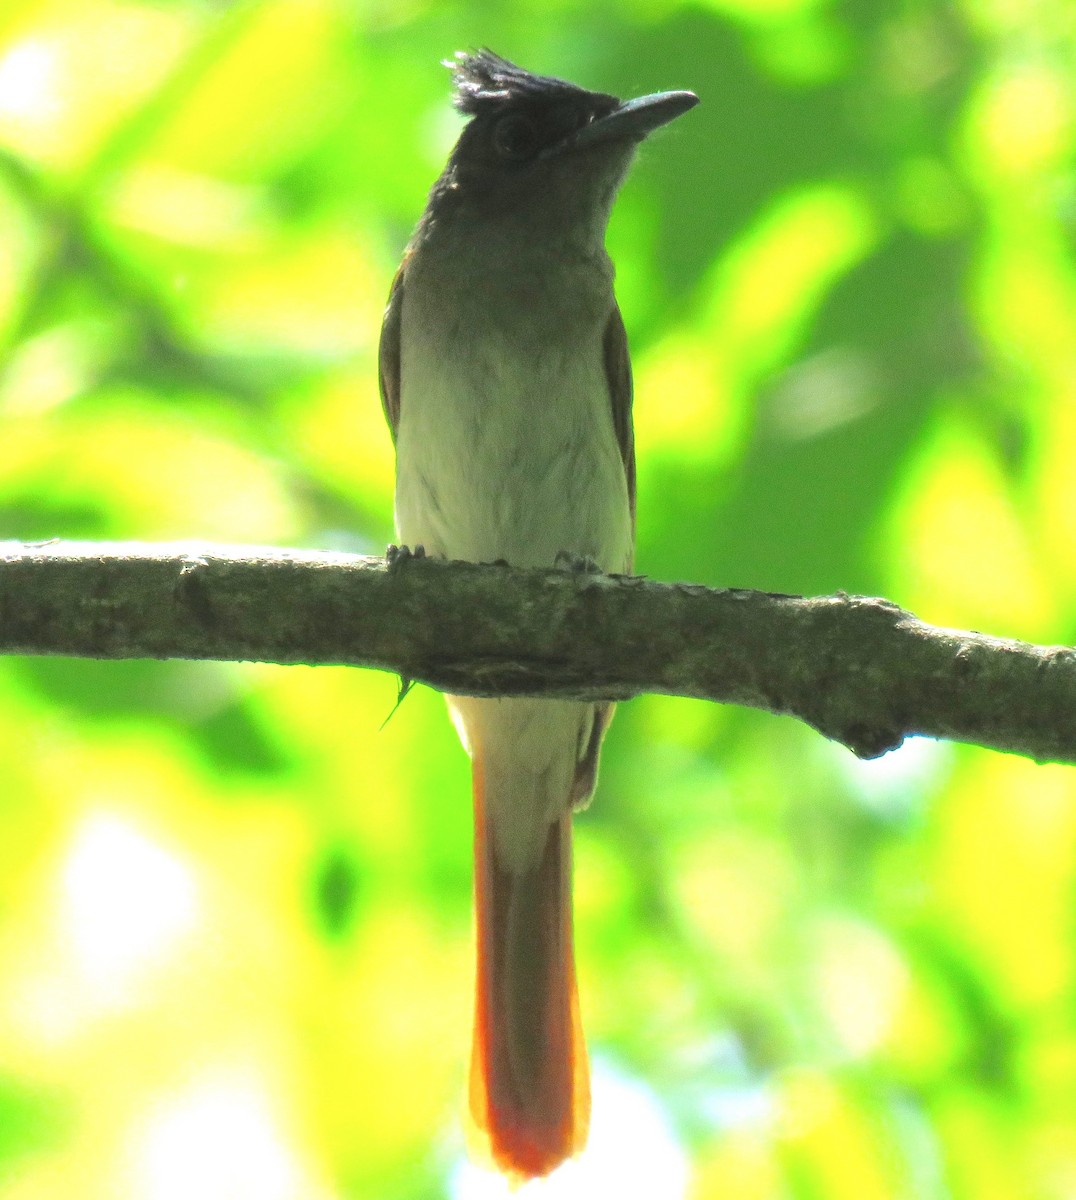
[{"x": 861, "y": 671}]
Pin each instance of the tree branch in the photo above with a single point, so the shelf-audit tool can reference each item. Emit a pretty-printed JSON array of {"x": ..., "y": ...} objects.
[{"x": 861, "y": 671}]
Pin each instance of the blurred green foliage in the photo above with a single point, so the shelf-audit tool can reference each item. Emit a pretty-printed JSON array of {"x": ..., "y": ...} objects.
[{"x": 234, "y": 912}]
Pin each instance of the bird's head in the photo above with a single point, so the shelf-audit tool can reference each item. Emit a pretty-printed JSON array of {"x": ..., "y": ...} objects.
[{"x": 543, "y": 150}]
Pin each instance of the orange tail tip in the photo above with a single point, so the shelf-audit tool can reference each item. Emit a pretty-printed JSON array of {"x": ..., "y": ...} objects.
[{"x": 530, "y": 1085}]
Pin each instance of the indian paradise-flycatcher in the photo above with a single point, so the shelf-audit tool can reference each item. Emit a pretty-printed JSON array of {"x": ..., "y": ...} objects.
[{"x": 506, "y": 382}]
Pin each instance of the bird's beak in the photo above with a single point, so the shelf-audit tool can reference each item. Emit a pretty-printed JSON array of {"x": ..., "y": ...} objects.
[{"x": 633, "y": 120}]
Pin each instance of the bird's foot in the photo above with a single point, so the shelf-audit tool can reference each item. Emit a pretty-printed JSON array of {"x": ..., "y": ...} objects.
[
  {"x": 396, "y": 556},
  {"x": 580, "y": 563}
]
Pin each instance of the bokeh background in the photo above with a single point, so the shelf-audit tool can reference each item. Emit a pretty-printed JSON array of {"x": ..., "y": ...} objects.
[{"x": 235, "y": 954}]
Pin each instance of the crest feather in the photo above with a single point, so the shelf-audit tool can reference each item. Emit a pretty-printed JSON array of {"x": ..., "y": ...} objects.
[{"x": 484, "y": 81}]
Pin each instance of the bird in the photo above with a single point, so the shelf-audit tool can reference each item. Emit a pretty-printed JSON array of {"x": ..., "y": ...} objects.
[{"x": 506, "y": 382}]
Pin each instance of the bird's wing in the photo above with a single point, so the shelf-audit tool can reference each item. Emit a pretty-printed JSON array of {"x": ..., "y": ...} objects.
[
  {"x": 388, "y": 352},
  {"x": 618, "y": 377}
]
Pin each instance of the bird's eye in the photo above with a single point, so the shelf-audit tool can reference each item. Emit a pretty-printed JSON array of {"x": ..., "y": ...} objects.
[{"x": 515, "y": 138}]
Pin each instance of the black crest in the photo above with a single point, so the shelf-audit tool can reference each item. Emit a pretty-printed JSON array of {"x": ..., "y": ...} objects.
[{"x": 485, "y": 82}]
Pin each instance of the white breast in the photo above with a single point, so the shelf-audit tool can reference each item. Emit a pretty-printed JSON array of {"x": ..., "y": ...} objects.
[{"x": 506, "y": 447}]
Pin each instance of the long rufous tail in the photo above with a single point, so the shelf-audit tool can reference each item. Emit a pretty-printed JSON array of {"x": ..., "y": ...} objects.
[{"x": 530, "y": 1085}]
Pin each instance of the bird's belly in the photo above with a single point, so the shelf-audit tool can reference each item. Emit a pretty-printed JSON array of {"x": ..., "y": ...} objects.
[{"x": 511, "y": 463}]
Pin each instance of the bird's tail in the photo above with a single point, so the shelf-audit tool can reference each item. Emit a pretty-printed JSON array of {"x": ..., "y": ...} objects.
[{"x": 530, "y": 1085}]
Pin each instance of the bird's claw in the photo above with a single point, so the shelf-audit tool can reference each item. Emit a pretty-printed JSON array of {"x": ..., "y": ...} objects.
[
  {"x": 396, "y": 556},
  {"x": 580, "y": 563}
]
